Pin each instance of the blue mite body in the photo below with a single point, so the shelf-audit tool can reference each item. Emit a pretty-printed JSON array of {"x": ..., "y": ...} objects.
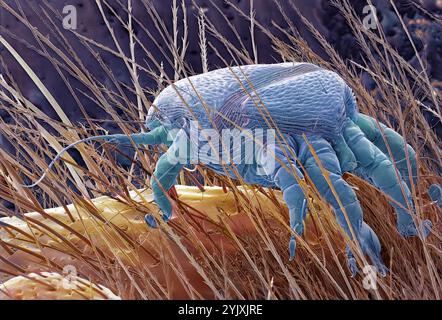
[{"x": 309, "y": 108}]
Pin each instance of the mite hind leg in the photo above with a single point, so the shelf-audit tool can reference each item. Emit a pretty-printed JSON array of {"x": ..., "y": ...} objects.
[
  {"x": 347, "y": 159},
  {"x": 375, "y": 166},
  {"x": 279, "y": 165},
  {"x": 392, "y": 144},
  {"x": 398, "y": 148},
  {"x": 329, "y": 161},
  {"x": 435, "y": 192}
]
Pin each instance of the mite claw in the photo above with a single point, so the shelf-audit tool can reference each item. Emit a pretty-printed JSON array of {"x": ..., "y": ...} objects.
[
  {"x": 150, "y": 220},
  {"x": 351, "y": 262},
  {"x": 410, "y": 230},
  {"x": 383, "y": 270},
  {"x": 371, "y": 245},
  {"x": 426, "y": 225},
  {"x": 292, "y": 248},
  {"x": 353, "y": 267},
  {"x": 435, "y": 192}
]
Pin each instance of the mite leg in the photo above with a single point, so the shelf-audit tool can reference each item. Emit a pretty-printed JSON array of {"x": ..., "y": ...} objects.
[
  {"x": 435, "y": 192},
  {"x": 278, "y": 164},
  {"x": 377, "y": 167},
  {"x": 346, "y": 157},
  {"x": 365, "y": 236},
  {"x": 155, "y": 137},
  {"x": 399, "y": 149},
  {"x": 397, "y": 146},
  {"x": 164, "y": 177}
]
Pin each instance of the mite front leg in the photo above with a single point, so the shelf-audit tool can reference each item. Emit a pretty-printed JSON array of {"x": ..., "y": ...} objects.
[
  {"x": 164, "y": 177},
  {"x": 155, "y": 137}
]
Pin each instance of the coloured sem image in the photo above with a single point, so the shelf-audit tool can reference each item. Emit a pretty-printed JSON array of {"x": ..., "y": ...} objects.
[{"x": 216, "y": 151}]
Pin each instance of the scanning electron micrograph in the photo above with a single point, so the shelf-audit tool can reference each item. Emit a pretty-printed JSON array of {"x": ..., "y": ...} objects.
[{"x": 219, "y": 154}]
